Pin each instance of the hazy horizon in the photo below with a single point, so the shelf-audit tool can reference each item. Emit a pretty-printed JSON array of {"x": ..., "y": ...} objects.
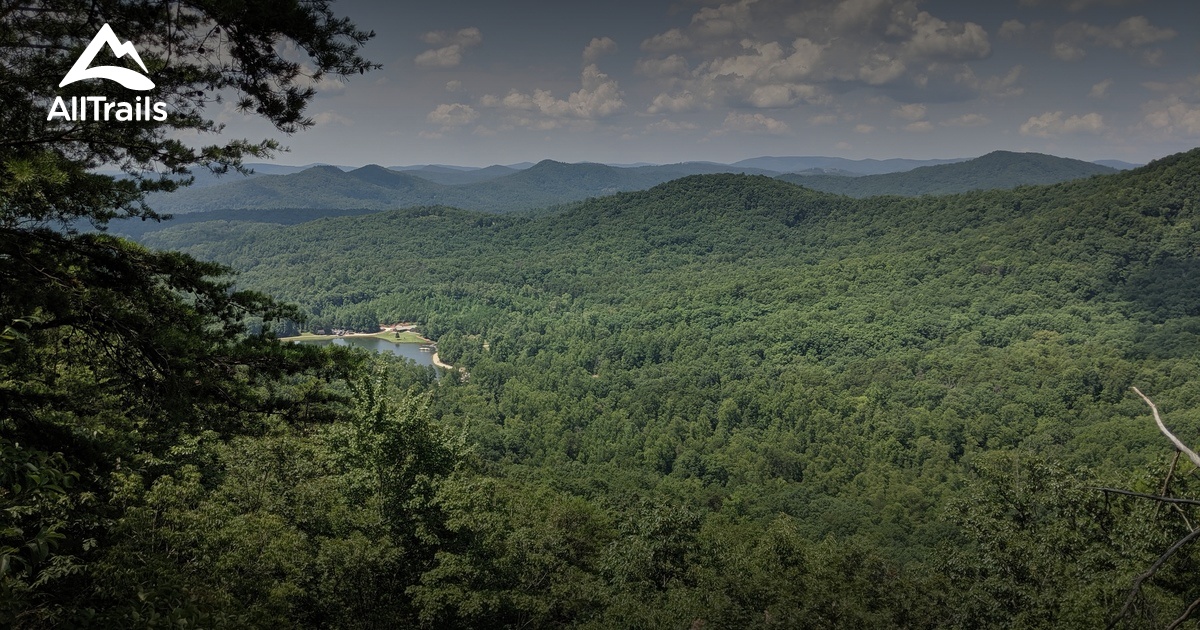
[{"x": 633, "y": 163}]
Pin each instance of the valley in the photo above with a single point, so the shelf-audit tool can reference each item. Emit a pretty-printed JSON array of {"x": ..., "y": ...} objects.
[
  {"x": 813, "y": 315},
  {"x": 749, "y": 350}
]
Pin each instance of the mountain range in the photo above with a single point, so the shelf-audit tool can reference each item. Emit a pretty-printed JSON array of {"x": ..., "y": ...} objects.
[
  {"x": 504, "y": 189},
  {"x": 996, "y": 170},
  {"x": 794, "y": 164}
]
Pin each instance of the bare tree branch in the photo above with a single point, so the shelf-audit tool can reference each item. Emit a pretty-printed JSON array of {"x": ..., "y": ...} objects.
[
  {"x": 1184, "y": 617},
  {"x": 1187, "y": 523},
  {"x": 1149, "y": 496},
  {"x": 1167, "y": 481},
  {"x": 1137, "y": 583},
  {"x": 1170, "y": 436}
]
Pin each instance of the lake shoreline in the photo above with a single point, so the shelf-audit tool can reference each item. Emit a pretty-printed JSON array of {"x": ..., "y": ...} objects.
[{"x": 405, "y": 337}]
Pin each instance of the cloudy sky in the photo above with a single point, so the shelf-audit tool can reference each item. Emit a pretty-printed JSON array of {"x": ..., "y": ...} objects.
[{"x": 491, "y": 81}]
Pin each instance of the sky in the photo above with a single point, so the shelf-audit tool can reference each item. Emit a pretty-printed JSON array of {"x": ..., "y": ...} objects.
[{"x": 494, "y": 82}]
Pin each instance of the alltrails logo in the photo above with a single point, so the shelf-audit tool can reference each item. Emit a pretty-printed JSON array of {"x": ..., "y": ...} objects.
[{"x": 100, "y": 107}]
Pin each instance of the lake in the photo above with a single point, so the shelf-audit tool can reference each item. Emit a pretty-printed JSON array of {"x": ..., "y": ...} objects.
[{"x": 375, "y": 344}]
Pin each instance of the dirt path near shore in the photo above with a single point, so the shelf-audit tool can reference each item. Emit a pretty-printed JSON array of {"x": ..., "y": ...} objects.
[
  {"x": 438, "y": 362},
  {"x": 446, "y": 366}
]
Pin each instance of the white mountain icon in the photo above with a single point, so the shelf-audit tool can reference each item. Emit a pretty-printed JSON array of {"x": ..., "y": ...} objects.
[{"x": 124, "y": 76}]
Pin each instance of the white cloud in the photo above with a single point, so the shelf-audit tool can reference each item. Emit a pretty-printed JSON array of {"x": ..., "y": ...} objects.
[
  {"x": 1076, "y": 5},
  {"x": 672, "y": 66},
  {"x": 327, "y": 83},
  {"x": 329, "y": 118},
  {"x": 723, "y": 20},
  {"x": 669, "y": 41},
  {"x": 1068, "y": 52},
  {"x": 754, "y": 123},
  {"x": 1053, "y": 124},
  {"x": 999, "y": 86},
  {"x": 767, "y": 63},
  {"x": 1004, "y": 85},
  {"x": 911, "y": 111},
  {"x": 1131, "y": 33},
  {"x": 863, "y": 128},
  {"x": 852, "y": 15},
  {"x": 453, "y": 86},
  {"x": 597, "y": 48},
  {"x": 968, "y": 120},
  {"x": 1189, "y": 87},
  {"x": 682, "y": 102},
  {"x": 765, "y": 75},
  {"x": 823, "y": 119},
  {"x": 598, "y": 97},
  {"x": 881, "y": 69},
  {"x": 776, "y": 53},
  {"x": 450, "y": 47},
  {"x": 781, "y": 95},
  {"x": 1100, "y": 90},
  {"x": 1173, "y": 116},
  {"x": 671, "y": 126},
  {"x": 921, "y": 126},
  {"x": 449, "y": 115},
  {"x": 770, "y": 96},
  {"x": 447, "y": 57},
  {"x": 466, "y": 37},
  {"x": 937, "y": 39}
]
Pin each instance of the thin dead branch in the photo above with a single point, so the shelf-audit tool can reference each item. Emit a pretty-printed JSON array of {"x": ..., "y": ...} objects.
[
  {"x": 1184, "y": 617},
  {"x": 1143, "y": 495},
  {"x": 1166, "y": 485},
  {"x": 1173, "y": 502},
  {"x": 1137, "y": 583}
]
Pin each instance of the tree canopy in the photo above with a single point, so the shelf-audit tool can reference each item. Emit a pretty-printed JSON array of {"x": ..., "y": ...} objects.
[
  {"x": 727, "y": 401},
  {"x": 120, "y": 362},
  {"x": 263, "y": 56},
  {"x": 698, "y": 393}
]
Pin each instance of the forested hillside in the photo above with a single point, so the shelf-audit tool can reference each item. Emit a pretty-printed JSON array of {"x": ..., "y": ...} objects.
[
  {"x": 691, "y": 399},
  {"x": 454, "y": 176},
  {"x": 502, "y": 190},
  {"x": 793, "y": 164},
  {"x": 996, "y": 170},
  {"x": 725, "y": 401}
]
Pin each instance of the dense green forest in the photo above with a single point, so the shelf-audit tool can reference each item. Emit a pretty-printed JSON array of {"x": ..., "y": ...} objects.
[
  {"x": 877, "y": 377},
  {"x": 724, "y": 402}
]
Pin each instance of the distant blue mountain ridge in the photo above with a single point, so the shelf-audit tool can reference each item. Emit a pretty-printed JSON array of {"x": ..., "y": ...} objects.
[{"x": 503, "y": 189}]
